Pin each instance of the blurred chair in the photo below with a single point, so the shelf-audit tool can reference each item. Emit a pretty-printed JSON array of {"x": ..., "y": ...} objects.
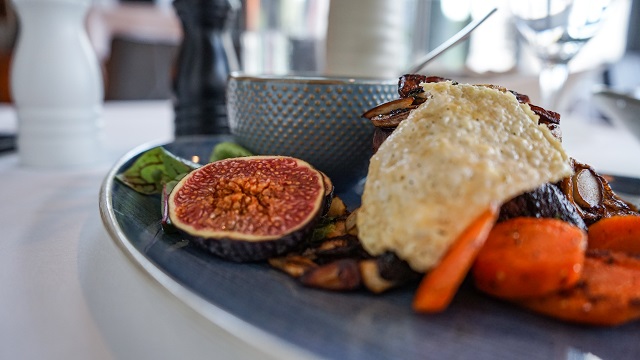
[
  {"x": 139, "y": 69},
  {"x": 8, "y": 33},
  {"x": 137, "y": 43},
  {"x": 5, "y": 61}
]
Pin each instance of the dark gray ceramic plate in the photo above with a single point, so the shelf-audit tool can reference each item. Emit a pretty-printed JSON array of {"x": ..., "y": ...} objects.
[{"x": 354, "y": 325}]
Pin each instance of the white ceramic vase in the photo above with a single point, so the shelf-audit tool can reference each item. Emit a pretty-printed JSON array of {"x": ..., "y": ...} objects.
[
  {"x": 56, "y": 85},
  {"x": 367, "y": 38}
]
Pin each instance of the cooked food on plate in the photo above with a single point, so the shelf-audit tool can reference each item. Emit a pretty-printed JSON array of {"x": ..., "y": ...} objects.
[
  {"x": 464, "y": 148},
  {"x": 465, "y": 181}
]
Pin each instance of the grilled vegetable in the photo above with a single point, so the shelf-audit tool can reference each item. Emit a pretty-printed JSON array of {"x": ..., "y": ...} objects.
[
  {"x": 592, "y": 195},
  {"x": 607, "y": 293},
  {"x": 386, "y": 272},
  {"x": 527, "y": 257},
  {"x": 439, "y": 286},
  {"x": 547, "y": 201},
  {"x": 620, "y": 232},
  {"x": 342, "y": 274}
]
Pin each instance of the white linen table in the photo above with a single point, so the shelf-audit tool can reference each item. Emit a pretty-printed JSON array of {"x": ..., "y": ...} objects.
[{"x": 68, "y": 292}]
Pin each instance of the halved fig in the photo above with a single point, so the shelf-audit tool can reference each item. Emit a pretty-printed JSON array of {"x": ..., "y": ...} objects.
[
  {"x": 328, "y": 192},
  {"x": 250, "y": 208},
  {"x": 165, "y": 222}
]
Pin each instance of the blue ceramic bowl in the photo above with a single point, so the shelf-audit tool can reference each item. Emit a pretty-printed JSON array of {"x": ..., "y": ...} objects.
[{"x": 316, "y": 119}]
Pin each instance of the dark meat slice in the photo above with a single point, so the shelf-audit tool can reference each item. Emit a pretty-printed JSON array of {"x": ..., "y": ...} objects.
[
  {"x": 341, "y": 247},
  {"x": 294, "y": 265},
  {"x": 549, "y": 118},
  {"x": 379, "y": 136},
  {"x": 394, "y": 269},
  {"x": 547, "y": 201},
  {"x": 341, "y": 264},
  {"x": 546, "y": 116},
  {"x": 409, "y": 84},
  {"x": 521, "y": 97},
  {"x": 339, "y": 275},
  {"x": 386, "y": 272},
  {"x": 592, "y": 196}
]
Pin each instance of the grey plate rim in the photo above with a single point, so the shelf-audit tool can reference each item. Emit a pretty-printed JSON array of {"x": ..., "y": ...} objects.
[{"x": 260, "y": 340}]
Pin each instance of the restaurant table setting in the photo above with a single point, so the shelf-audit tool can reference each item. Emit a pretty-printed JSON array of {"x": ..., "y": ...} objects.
[
  {"x": 70, "y": 292},
  {"x": 86, "y": 272}
]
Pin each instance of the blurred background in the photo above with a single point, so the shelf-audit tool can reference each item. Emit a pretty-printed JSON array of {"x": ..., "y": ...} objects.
[{"x": 137, "y": 41}]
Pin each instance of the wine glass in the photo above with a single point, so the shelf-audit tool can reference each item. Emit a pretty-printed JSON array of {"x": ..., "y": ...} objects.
[{"x": 556, "y": 30}]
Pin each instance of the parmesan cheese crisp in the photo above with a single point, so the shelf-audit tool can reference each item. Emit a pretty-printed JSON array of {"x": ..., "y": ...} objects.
[{"x": 464, "y": 148}]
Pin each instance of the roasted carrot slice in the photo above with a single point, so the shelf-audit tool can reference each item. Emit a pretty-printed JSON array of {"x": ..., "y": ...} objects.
[
  {"x": 607, "y": 294},
  {"x": 620, "y": 233},
  {"x": 526, "y": 257},
  {"x": 437, "y": 288}
]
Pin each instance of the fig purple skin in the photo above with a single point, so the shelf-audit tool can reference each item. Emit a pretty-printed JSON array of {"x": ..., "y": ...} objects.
[{"x": 250, "y": 208}]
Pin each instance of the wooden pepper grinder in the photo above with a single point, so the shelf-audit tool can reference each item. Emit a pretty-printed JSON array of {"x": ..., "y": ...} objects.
[{"x": 205, "y": 59}]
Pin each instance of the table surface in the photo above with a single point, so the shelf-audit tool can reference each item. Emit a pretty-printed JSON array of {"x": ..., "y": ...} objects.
[{"x": 68, "y": 292}]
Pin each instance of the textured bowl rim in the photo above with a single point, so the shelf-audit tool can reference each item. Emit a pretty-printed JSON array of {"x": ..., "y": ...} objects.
[{"x": 312, "y": 79}]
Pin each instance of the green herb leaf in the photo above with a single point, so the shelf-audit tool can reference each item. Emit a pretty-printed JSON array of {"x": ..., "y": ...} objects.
[
  {"x": 226, "y": 150},
  {"x": 153, "y": 169}
]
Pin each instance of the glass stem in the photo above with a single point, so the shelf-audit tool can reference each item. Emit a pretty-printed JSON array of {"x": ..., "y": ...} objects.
[{"x": 553, "y": 76}]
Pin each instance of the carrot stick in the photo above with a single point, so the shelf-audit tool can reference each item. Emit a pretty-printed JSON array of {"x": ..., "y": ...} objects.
[
  {"x": 607, "y": 294},
  {"x": 437, "y": 288},
  {"x": 526, "y": 257},
  {"x": 620, "y": 232}
]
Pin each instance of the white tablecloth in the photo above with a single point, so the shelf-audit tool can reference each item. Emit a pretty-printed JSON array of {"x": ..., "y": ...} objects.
[{"x": 66, "y": 290}]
